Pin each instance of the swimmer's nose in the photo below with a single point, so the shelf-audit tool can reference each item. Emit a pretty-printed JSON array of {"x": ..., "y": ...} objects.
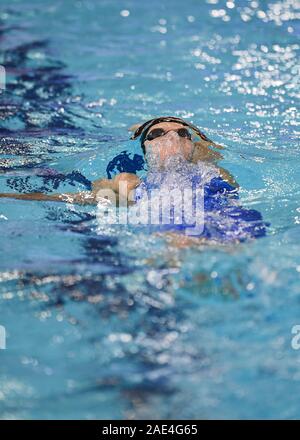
[{"x": 172, "y": 136}]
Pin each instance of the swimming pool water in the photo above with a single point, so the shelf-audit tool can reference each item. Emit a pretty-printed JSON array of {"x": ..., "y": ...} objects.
[{"x": 117, "y": 324}]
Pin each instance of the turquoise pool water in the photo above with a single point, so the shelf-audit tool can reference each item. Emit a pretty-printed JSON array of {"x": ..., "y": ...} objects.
[{"x": 115, "y": 325}]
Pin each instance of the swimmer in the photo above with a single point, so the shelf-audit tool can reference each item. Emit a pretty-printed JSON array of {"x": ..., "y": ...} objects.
[
  {"x": 164, "y": 140},
  {"x": 165, "y": 137}
]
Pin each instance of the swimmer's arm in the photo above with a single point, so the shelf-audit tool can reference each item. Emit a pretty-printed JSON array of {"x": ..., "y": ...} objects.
[
  {"x": 82, "y": 198},
  {"x": 86, "y": 197}
]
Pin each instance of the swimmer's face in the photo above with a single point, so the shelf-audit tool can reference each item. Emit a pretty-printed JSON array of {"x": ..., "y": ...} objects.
[{"x": 174, "y": 139}]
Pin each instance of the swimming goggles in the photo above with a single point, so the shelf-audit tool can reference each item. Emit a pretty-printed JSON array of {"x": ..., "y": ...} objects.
[
  {"x": 158, "y": 132},
  {"x": 144, "y": 128}
]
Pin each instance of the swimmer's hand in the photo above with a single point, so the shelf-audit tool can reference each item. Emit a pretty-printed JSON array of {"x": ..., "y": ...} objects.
[{"x": 122, "y": 186}]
